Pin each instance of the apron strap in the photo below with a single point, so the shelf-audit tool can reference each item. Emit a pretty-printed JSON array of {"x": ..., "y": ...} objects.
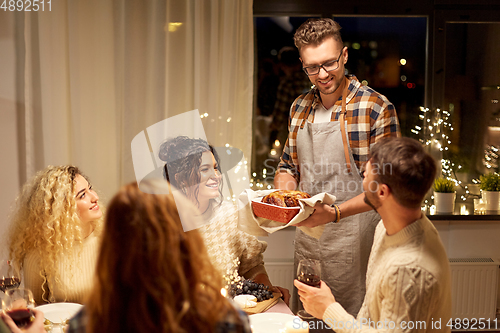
[{"x": 342, "y": 126}]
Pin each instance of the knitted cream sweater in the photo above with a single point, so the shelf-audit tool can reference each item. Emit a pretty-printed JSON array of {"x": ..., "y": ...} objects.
[
  {"x": 75, "y": 284},
  {"x": 407, "y": 284},
  {"x": 225, "y": 242}
]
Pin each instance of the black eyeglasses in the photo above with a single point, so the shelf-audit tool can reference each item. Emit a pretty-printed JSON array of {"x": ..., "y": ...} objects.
[{"x": 327, "y": 66}]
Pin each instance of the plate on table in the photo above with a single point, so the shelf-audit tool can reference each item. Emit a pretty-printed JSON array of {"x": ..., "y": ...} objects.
[
  {"x": 270, "y": 322},
  {"x": 58, "y": 313}
]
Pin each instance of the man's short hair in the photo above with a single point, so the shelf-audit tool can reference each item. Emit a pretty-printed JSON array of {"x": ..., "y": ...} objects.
[
  {"x": 404, "y": 166},
  {"x": 315, "y": 30}
]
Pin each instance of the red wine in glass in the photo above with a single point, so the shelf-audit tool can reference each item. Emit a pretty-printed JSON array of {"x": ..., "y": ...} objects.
[
  {"x": 308, "y": 272},
  {"x": 9, "y": 283},
  {"x": 310, "y": 279},
  {"x": 22, "y": 317}
]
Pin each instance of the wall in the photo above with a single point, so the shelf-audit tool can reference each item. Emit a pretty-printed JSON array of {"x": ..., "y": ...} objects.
[{"x": 9, "y": 165}]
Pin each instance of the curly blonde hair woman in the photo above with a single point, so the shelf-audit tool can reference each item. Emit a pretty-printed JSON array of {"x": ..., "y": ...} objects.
[
  {"x": 54, "y": 234},
  {"x": 152, "y": 276}
]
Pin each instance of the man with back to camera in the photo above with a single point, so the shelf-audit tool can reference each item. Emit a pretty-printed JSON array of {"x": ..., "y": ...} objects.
[
  {"x": 408, "y": 279},
  {"x": 331, "y": 131}
]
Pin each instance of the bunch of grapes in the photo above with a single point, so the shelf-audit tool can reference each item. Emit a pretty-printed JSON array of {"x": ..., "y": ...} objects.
[{"x": 249, "y": 287}]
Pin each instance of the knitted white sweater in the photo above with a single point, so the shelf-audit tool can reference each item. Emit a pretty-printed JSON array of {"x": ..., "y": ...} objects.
[
  {"x": 75, "y": 283},
  {"x": 225, "y": 243},
  {"x": 407, "y": 284}
]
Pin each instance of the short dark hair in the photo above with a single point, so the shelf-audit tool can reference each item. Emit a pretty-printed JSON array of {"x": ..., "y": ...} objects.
[
  {"x": 315, "y": 30},
  {"x": 403, "y": 165}
]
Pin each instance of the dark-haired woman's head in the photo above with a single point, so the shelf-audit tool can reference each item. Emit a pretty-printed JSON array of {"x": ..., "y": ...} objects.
[{"x": 192, "y": 166}]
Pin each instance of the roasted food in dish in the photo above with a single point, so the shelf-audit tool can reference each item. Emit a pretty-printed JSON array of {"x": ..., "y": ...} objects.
[{"x": 285, "y": 198}]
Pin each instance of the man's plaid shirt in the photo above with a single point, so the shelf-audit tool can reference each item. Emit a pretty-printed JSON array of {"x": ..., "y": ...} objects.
[{"x": 370, "y": 117}]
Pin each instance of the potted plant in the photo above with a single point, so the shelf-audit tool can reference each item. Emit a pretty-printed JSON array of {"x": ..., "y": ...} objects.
[
  {"x": 490, "y": 189},
  {"x": 444, "y": 195}
]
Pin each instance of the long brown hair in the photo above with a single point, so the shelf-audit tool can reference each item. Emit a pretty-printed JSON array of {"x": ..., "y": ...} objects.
[{"x": 151, "y": 276}]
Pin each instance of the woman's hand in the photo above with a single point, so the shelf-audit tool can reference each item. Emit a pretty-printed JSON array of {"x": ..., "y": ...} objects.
[
  {"x": 315, "y": 300},
  {"x": 264, "y": 279},
  {"x": 35, "y": 327},
  {"x": 284, "y": 292}
]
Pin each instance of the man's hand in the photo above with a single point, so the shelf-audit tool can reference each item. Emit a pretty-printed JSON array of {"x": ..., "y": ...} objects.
[
  {"x": 322, "y": 214},
  {"x": 315, "y": 300}
]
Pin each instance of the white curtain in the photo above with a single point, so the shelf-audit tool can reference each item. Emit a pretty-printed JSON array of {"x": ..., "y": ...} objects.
[{"x": 96, "y": 73}]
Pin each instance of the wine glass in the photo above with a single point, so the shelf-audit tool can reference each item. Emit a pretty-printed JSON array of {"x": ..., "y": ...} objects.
[
  {"x": 308, "y": 272},
  {"x": 9, "y": 275},
  {"x": 17, "y": 304}
]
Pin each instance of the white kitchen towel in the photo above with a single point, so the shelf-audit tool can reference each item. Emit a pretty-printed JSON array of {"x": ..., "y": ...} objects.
[{"x": 258, "y": 226}]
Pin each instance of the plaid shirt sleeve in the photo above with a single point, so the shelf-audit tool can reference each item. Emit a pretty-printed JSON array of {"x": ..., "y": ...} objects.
[{"x": 370, "y": 117}]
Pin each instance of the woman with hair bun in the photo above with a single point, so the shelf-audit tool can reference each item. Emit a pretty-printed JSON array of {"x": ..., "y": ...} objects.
[
  {"x": 54, "y": 234},
  {"x": 193, "y": 167}
]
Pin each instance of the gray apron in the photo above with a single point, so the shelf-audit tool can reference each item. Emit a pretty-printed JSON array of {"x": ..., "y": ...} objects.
[{"x": 344, "y": 247}]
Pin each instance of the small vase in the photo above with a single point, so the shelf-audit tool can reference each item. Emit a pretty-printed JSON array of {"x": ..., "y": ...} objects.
[
  {"x": 445, "y": 202},
  {"x": 491, "y": 200}
]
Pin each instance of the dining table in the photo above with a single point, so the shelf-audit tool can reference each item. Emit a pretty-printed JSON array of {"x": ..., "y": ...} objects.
[
  {"x": 272, "y": 320},
  {"x": 279, "y": 307},
  {"x": 281, "y": 310}
]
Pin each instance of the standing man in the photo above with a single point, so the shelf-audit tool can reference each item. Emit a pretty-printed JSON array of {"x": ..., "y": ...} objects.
[
  {"x": 408, "y": 280},
  {"x": 331, "y": 131},
  {"x": 293, "y": 83}
]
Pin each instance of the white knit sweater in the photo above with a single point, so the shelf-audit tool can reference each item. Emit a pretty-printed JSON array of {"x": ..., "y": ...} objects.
[
  {"x": 225, "y": 243},
  {"x": 75, "y": 283},
  {"x": 407, "y": 284}
]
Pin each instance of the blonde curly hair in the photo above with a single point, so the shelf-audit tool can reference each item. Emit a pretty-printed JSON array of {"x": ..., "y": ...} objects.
[{"x": 46, "y": 222}]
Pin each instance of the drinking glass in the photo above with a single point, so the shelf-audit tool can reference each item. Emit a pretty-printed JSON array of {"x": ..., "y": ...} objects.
[
  {"x": 308, "y": 272},
  {"x": 9, "y": 275},
  {"x": 17, "y": 304}
]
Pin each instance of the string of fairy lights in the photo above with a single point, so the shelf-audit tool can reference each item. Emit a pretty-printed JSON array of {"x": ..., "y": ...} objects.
[
  {"x": 491, "y": 155},
  {"x": 435, "y": 133}
]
